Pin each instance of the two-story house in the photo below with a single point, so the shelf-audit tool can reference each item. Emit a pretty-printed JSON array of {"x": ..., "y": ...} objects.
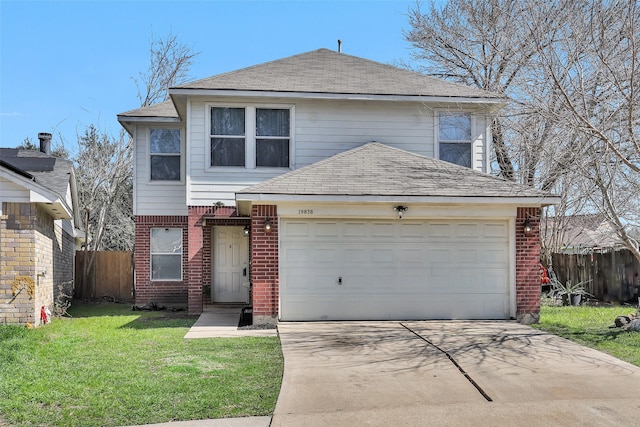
[{"x": 325, "y": 186}]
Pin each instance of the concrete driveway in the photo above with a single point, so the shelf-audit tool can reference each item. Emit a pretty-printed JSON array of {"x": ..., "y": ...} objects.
[{"x": 453, "y": 373}]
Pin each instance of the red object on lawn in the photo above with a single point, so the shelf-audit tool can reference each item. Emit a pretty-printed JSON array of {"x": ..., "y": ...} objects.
[
  {"x": 544, "y": 276},
  {"x": 43, "y": 315}
]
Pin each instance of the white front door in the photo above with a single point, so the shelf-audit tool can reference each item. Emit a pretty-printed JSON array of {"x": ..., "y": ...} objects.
[{"x": 230, "y": 265}]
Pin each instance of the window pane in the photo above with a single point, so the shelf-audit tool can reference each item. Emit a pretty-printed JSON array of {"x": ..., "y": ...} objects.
[
  {"x": 455, "y": 127},
  {"x": 165, "y": 141},
  {"x": 227, "y": 152},
  {"x": 272, "y": 153},
  {"x": 458, "y": 153},
  {"x": 165, "y": 168},
  {"x": 166, "y": 240},
  {"x": 227, "y": 121},
  {"x": 166, "y": 267},
  {"x": 272, "y": 122}
]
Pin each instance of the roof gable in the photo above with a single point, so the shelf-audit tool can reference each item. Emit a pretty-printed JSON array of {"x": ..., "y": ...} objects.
[
  {"x": 320, "y": 73},
  {"x": 327, "y": 71},
  {"x": 376, "y": 169}
]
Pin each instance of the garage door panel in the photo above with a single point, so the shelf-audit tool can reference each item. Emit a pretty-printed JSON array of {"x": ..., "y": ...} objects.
[
  {"x": 355, "y": 229},
  {"x": 433, "y": 269},
  {"x": 467, "y": 231},
  {"x": 496, "y": 231},
  {"x": 380, "y": 229},
  {"x": 408, "y": 230}
]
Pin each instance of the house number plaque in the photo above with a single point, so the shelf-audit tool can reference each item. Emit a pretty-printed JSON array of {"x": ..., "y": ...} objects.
[{"x": 305, "y": 211}]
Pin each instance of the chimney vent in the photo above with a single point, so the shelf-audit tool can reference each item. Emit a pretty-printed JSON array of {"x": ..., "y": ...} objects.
[
  {"x": 339, "y": 45},
  {"x": 45, "y": 142}
]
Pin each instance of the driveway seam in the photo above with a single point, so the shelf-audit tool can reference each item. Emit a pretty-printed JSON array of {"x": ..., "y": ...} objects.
[{"x": 455, "y": 363}]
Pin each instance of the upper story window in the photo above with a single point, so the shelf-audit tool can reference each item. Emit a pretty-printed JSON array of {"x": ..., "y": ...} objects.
[
  {"x": 454, "y": 138},
  {"x": 165, "y": 151},
  {"x": 228, "y": 141},
  {"x": 250, "y": 137},
  {"x": 272, "y": 137}
]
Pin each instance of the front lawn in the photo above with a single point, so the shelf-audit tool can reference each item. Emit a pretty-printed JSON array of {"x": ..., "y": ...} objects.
[
  {"x": 590, "y": 326},
  {"x": 110, "y": 366}
]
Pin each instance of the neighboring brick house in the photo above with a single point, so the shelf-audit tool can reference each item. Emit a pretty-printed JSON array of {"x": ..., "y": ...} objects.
[
  {"x": 329, "y": 187},
  {"x": 38, "y": 235}
]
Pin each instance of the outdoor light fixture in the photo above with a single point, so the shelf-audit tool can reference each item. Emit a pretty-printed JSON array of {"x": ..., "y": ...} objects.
[
  {"x": 267, "y": 225},
  {"x": 527, "y": 228},
  {"x": 245, "y": 231},
  {"x": 400, "y": 209}
]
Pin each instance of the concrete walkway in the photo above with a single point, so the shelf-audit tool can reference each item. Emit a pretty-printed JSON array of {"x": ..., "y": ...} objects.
[
  {"x": 448, "y": 374},
  {"x": 222, "y": 322}
]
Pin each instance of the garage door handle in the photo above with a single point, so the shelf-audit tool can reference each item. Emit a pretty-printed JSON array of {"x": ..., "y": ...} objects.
[{"x": 340, "y": 280}]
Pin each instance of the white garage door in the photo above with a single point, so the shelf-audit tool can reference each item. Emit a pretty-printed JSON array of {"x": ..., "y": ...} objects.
[{"x": 378, "y": 270}]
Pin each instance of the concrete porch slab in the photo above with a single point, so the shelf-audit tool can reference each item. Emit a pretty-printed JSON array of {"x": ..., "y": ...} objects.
[{"x": 222, "y": 322}]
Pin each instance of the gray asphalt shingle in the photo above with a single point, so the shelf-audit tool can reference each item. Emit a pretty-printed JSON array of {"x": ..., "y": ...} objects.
[
  {"x": 376, "y": 169},
  {"x": 327, "y": 71},
  {"x": 51, "y": 172}
]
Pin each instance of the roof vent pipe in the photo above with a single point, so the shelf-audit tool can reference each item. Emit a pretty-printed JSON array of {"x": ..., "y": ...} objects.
[
  {"x": 45, "y": 142},
  {"x": 339, "y": 45}
]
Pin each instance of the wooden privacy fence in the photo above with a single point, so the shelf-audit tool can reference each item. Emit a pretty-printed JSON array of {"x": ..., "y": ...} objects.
[
  {"x": 111, "y": 275},
  {"x": 615, "y": 275}
]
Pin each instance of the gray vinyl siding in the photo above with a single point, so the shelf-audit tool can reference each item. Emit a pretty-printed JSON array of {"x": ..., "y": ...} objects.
[{"x": 322, "y": 128}]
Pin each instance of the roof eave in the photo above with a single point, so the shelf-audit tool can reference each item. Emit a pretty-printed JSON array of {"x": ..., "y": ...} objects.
[
  {"x": 541, "y": 201},
  {"x": 128, "y": 122},
  {"x": 176, "y": 92}
]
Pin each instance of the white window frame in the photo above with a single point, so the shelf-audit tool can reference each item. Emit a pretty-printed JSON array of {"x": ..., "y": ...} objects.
[
  {"x": 149, "y": 154},
  {"x": 471, "y": 141},
  {"x": 151, "y": 254},
  {"x": 250, "y": 137}
]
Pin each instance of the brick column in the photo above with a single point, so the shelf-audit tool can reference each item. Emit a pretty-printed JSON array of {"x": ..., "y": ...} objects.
[
  {"x": 264, "y": 264},
  {"x": 528, "y": 266},
  {"x": 195, "y": 244}
]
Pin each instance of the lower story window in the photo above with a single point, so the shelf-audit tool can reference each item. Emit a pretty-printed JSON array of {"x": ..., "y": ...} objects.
[{"x": 166, "y": 253}]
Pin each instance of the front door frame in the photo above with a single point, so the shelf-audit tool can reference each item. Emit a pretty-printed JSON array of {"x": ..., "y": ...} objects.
[{"x": 234, "y": 261}]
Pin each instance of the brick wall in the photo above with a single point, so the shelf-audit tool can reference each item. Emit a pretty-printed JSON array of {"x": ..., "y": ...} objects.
[
  {"x": 17, "y": 234},
  {"x": 63, "y": 262},
  {"x": 196, "y": 255},
  {"x": 264, "y": 264},
  {"x": 36, "y": 247},
  {"x": 172, "y": 293},
  {"x": 527, "y": 266},
  {"x": 200, "y": 255},
  {"x": 45, "y": 238}
]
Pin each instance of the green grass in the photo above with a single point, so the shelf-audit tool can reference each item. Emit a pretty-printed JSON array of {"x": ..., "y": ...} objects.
[
  {"x": 110, "y": 366},
  {"x": 589, "y": 326}
]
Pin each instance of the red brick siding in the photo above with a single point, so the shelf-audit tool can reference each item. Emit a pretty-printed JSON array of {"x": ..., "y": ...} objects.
[
  {"x": 162, "y": 292},
  {"x": 527, "y": 263},
  {"x": 264, "y": 261},
  {"x": 199, "y": 247}
]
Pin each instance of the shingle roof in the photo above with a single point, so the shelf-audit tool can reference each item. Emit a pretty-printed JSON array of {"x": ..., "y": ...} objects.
[
  {"x": 50, "y": 172},
  {"x": 376, "y": 169},
  {"x": 163, "y": 109},
  {"x": 323, "y": 71},
  {"x": 327, "y": 71}
]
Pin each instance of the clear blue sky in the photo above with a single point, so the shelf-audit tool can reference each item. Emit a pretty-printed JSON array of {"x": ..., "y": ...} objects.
[{"x": 67, "y": 64}]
